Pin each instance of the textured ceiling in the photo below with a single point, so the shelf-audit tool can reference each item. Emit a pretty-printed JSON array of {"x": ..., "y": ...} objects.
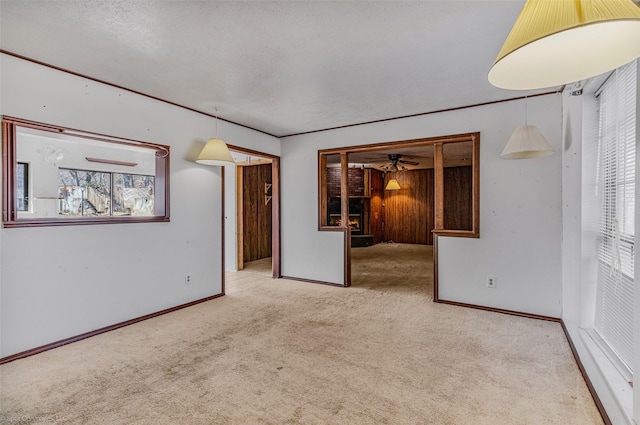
[{"x": 279, "y": 67}]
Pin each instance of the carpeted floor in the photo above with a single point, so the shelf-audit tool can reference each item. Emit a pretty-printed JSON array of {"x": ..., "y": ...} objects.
[
  {"x": 285, "y": 352},
  {"x": 393, "y": 267}
]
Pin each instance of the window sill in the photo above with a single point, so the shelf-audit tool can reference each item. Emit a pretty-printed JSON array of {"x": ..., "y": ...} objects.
[
  {"x": 51, "y": 222},
  {"x": 617, "y": 384}
]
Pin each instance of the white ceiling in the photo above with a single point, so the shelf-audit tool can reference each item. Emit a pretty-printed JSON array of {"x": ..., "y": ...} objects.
[{"x": 280, "y": 67}]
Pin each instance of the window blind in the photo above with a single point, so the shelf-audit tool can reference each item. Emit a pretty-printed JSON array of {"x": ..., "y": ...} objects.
[{"x": 616, "y": 227}]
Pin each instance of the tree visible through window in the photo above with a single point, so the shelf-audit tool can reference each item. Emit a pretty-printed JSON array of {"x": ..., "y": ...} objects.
[{"x": 94, "y": 193}]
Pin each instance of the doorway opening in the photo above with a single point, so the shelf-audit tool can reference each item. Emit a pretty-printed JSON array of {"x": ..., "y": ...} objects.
[
  {"x": 393, "y": 200},
  {"x": 257, "y": 212}
]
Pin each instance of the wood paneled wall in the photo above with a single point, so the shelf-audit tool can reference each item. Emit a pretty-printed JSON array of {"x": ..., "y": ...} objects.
[
  {"x": 409, "y": 212},
  {"x": 256, "y": 215},
  {"x": 458, "y": 202},
  {"x": 408, "y": 215},
  {"x": 376, "y": 211}
]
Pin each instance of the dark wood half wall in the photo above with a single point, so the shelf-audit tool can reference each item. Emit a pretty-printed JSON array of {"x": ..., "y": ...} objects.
[{"x": 256, "y": 212}]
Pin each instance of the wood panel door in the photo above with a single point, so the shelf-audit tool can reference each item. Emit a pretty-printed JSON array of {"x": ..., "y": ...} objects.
[{"x": 256, "y": 212}]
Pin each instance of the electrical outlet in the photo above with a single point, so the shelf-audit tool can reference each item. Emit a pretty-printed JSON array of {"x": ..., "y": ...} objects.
[
  {"x": 491, "y": 282},
  {"x": 187, "y": 279}
]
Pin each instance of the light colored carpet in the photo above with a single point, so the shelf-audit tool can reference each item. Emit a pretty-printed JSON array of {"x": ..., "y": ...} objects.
[
  {"x": 393, "y": 267},
  {"x": 285, "y": 352},
  {"x": 262, "y": 266}
]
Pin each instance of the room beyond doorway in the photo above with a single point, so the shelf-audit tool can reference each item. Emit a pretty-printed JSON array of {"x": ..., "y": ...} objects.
[
  {"x": 393, "y": 267},
  {"x": 262, "y": 266},
  {"x": 411, "y": 192}
]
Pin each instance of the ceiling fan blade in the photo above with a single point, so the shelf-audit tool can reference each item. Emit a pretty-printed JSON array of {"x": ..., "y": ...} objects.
[{"x": 409, "y": 162}]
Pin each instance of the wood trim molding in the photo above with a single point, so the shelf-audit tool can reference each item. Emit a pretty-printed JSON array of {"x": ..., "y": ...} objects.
[
  {"x": 222, "y": 232},
  {"x": 344, "y": 211},
  {"x": 344, "y": 190},
  {"x": 8, "y": 178},
  {"x": 251, "y": 151},
  {"x": 438, "y": 111},
  {"x": 275, "y": 218},
  {"x": 476, "y": 185},
  {"x": 438, "y": 181},
  {"x": 347, "y": 257},
  {"x": 239, "y": 215},
  {"x": 501, "y": 310},
  {"x": 425, "y": 141},
  {"x": 435, "y": 269},
  {"x": 587, "y": 380},
  {"x": 86, "y": 335},
  {"x": 318, "y": 282},
  {"x": 456, "y": 233},
  {"x": 322, "y": 190}
]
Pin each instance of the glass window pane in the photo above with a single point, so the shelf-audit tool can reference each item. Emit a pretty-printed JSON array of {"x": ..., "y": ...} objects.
[
  {"x": 133, "y": 195},
  {"x": 84, "y": 193},
  {"x": 334, "y": 199},
  {"x": 22, "y": 186}
]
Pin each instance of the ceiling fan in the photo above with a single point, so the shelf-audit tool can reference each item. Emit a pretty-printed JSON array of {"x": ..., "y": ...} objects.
[{"x": 395, "y": 163}]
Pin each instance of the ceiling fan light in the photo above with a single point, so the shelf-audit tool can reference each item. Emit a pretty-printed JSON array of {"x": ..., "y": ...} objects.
[
  {"x": 562, "y": 41},
  {"x": 526, "y": 142}
]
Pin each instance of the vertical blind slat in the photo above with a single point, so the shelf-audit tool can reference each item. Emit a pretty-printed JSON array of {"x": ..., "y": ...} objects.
[{"x": 616, "y": 192}]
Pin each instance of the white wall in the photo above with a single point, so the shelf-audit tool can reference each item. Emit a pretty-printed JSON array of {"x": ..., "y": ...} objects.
[
  {"x": 520, "y": 209},
  {"x": 57, "y": 282},
  {"x": 579, "y": 205},
  {"x": 306, "y": 253}
]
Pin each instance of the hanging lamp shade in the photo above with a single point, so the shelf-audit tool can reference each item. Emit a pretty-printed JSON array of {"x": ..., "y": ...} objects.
[
  {"x": 392, "y": 185},
  {"x": 526, "y": 142},
  {"x": 215, "y": 152},
  {"x": 556, "y": 42}
]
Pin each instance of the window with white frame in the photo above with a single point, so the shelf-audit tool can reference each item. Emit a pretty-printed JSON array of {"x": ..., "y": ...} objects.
[{"x": 616, "y": 231}]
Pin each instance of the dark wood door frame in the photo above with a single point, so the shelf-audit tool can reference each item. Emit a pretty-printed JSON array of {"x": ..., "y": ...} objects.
[{"x": 275, "y": 205}]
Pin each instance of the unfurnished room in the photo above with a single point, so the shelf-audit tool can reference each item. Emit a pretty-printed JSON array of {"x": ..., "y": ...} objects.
[{"x": 319, "y": 212}]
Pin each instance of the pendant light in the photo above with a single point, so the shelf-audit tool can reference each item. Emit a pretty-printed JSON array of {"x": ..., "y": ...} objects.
[
  {"x": 526, "y": 142},
  {"x": 556, "y": 42},
  {"x": 392, "y": 185},
  {"x": 215, "y": 152}
]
